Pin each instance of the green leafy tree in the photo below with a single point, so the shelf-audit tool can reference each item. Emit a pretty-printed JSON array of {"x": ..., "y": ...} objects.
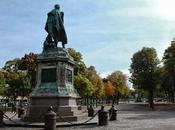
[
  {"x": 24, "y": 84},
  {"x": 166, "y": 85},
  {"x": 2, "y": 83},
  {"x": 80, "y": 66},
  {"x": 11, "y": 76},
  {"x": 86, "y": 73},
  {"x": 29, "y": 63},
  {"x": 119, "y": 81},
  {"x": 12, "y": 80},
  {"x": 18, "y": 84},
  {"x": 15, "y": 76},
  {"x": 98, "y": 86},
  {"x": 83, "y": 85},
  {"x": 97, "y": 82},
  {"x": 168, "y": 71},
  {"x": 143, "y": 71}
]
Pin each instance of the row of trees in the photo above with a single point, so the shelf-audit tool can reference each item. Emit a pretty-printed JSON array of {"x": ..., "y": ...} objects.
[
  {"x": 89, "y": 83},
  {"x": 149, "y": 74},
  {"x": 18, "y": 78}
]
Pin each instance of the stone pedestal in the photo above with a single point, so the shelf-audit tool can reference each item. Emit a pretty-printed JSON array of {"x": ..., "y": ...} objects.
[{"x": 54, "y": 87}]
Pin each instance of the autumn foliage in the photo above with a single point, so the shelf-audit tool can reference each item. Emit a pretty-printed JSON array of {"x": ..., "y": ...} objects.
[{"x": 109, "y": 88}]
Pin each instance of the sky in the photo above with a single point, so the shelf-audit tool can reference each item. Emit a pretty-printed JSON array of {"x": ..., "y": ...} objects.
[{"x": 106, "y": 32}]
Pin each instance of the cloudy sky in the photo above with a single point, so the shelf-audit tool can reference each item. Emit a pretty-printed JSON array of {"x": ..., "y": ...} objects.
[{"x": 106, "y": 32}]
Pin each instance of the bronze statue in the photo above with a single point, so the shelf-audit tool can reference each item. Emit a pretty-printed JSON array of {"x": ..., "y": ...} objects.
[{"x": 55, "y": 28}]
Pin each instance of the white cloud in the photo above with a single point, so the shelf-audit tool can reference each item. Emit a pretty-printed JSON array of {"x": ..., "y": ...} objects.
[{"x": 164, "y": 9}]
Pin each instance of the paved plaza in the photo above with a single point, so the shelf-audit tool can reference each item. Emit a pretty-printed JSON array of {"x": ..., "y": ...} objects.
[
  {"x": 137, "y": 121},
  {"x": 131, "y": 117}
]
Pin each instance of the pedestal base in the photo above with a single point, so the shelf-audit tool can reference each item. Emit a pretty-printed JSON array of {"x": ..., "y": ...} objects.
[{"x": 62, "y": 106}]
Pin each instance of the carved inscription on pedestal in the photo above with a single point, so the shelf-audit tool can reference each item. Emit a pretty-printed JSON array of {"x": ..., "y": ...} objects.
[{"x": 48, "y": 75}]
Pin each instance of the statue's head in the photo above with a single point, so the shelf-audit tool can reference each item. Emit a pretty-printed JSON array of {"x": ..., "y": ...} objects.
[{"x": 57, "y": 6}]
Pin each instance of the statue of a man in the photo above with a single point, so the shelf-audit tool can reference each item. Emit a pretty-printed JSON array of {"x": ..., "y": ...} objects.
[{"x": 55, "y": 28}]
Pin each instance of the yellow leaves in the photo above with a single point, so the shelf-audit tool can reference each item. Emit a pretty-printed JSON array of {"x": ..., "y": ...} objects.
[
  {"x": 119, "y": 83},
  {"x": 109, "y": 88},
  {"x": 98, "y": 86},
  {"x": 125, "y": 91}
]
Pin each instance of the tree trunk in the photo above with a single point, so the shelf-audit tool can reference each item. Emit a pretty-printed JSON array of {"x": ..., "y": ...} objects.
[
  {"x": 172, "y": 93},
  {"x": 172, "y": 96},
  {"x": 96, "y": 101},
  {"x": 93, "y": 99},
  {"x": 114, "y": 99},
  {"x": 151, "y": 98},
  {"x": 87, "y": 100},
  {"x": 118, "y": 97}
]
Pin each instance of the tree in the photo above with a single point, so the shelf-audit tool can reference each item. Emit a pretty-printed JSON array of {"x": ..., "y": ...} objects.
[
  {"x": 119, "y": 81},
  {"x": 12, "y": 89},
  {"x": 86, "y": 73},
  {"x": 125, "y": 91},
  {"x": 18, "y": 84},
  {"x": 83, "y": 85},
  {"x": 109, "y": 88},
  {"x": 97, "y": 82},
  {"x": 2, "y": 83},
  {"x": 80, "y": 66},
  {"x": 143, "y": 71},
  {"x": 21, "y": 74},
  {"x": 98, "y": 86},
  {"x": 28, "y": 63},
  {"x": 24, "y": 84},
  {"x": 168, "y": 71}
]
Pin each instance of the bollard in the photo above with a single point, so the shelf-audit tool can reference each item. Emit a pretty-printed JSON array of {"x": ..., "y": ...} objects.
[
  {"x": 50, "y": 119},
  {"x": 21, "y": 111},
  {"x": 102, "y": 116},
  {"x": 90, "y": 111},
  {"x": 1, "y": 118},
  {"x": 112, "y": 114}
]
